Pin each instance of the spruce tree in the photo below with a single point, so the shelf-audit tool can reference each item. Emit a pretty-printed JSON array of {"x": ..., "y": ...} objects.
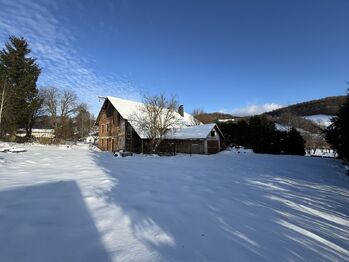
[
  {"x": 294, "y": 144},
  {"x": 337, "y": 134},
  {"x": 19, "y": 73}
]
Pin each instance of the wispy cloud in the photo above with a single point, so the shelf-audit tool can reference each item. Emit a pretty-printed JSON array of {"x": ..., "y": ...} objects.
[
  {"x": 253, "y": 109},
  {"x": 53, "y": 45}
]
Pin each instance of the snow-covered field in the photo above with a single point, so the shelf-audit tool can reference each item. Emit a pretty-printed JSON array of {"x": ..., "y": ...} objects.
[
  {"x": 322, "y": 120},
  {"x": 59, "y": 204}
]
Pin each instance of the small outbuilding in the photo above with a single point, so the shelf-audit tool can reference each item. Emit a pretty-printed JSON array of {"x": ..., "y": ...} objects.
[{"x": 198, "y": 139}]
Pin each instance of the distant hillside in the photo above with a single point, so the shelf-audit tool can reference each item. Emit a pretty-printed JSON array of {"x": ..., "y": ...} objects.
[
  {"x": 327, "y": 106},
  {"x": 324, "y": 106},
  {"x": 213, "y": 117}
]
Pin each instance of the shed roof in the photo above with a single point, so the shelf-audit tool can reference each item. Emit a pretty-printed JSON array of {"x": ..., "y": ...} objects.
[{"x": 191, "y": 132}]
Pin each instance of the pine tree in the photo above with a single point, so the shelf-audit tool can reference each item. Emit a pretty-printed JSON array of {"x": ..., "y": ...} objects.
[
  {"x": 19, "y": 73},
  {"x": 294, "y": 144},
  {"x": 337, "y": 134}
]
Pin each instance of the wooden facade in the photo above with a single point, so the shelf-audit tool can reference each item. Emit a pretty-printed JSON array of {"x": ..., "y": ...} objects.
[{"x": 117, "y": 134}]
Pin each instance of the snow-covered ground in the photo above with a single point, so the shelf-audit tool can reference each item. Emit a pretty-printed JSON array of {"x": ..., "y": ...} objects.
[
  {"x": 322, "y": 153},
  {"x": 322, "y": 120},
  {"x": 60, "y": 204},
  {"x": 281, "y": 127}
]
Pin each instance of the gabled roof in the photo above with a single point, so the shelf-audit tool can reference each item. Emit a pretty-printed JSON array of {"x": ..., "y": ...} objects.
[
  {"x": 128, "y": 109},
  {"x": 192, "y": 132}
]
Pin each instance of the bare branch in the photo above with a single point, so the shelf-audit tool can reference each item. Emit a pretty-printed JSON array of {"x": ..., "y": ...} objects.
[{"x": 156, "y": 117}]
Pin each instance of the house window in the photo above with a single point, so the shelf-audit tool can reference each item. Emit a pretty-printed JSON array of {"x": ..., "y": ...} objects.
[
  {"x": 102, "y": 129},
  {"x": 213, "y": 133},
  {"x": 107, "y": 127}
]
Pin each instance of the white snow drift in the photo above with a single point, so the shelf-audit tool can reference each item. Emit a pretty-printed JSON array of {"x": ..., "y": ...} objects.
[{"x": 80, "y": 205}]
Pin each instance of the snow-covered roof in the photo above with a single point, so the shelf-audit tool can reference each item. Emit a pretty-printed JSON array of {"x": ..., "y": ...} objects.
[
  {"x": 191, "y": 132},
  {"x": 129, "y": 109}
]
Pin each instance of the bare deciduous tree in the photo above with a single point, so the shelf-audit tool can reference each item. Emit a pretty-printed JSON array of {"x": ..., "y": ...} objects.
[
  {"x": 197, "y": 112},
  {"x": 60, "y": 105},
  {"x": 314, "y": 142},
  {"x": 50, "y": 103},
  {"x": 156, "y": 117},
  {"x": 68, "y": 103},
  {"x": 84, "y": 120}
]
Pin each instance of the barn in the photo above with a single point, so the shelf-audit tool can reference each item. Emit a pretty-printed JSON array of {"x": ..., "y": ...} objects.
[
  {"x": 117, "y": 131},
  {"x": 198, "y": 139}
]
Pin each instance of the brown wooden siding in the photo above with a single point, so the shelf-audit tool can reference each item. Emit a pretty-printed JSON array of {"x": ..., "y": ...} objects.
[
  {"x": 183, "y": 146},
  {"x": 111, "y": 129},
  {"x": 212, "y": 146},
  {"x": 116, "y": 133}
]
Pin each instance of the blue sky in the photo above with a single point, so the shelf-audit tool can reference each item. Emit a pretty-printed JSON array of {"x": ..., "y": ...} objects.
[{"x": 234, "y": 56}]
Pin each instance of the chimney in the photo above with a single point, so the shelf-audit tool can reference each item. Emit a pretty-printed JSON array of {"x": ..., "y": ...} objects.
[{"x": 181, "y": 110}]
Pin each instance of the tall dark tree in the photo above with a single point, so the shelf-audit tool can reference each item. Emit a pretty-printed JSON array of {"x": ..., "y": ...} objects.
[
  {"x": 19, "y": 73},
  {"x": 294, "y": 144},
  {"x": 260, "y": 134},
  {"x": 337, "y": 133}
]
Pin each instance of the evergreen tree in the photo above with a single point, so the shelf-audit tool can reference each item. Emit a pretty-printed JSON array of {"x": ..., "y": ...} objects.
[
  {"x": 294, "y": 144},
  {"x": 19, "y": 73},
  {"x": 260, "y": 134},
  {"x": 337, "y": 134},
  {"x": 264, "y": 136}
]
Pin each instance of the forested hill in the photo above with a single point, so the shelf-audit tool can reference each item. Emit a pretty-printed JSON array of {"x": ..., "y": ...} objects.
[
  {"x": 214, "y": 117},
  {"x": 324, "y": 106}
]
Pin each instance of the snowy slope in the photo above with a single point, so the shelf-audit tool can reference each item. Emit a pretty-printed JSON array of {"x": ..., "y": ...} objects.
[
  {"x": 281, "y": 127},
  {"x": 322, "y": 120},
  {"x": 59, "y": 204}
]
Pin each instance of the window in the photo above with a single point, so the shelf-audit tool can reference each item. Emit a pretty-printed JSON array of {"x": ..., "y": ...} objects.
[
  {"x": 102, "y": 129},
  {"x": 213, "y": 133},
  {"x": 107, "y": 127}
]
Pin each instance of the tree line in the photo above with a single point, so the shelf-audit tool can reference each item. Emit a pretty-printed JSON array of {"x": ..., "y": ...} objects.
[
  {"x": 327, "y": 106},
  {"x": 337, "y": 134},
  {"x": 260, "y": 134},
  {"x": 22, "y": 103}
]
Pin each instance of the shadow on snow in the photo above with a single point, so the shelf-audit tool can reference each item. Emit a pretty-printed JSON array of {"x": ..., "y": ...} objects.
[
  {"x": 48, "y": 222},
  {"x": 246, "y": 207}
]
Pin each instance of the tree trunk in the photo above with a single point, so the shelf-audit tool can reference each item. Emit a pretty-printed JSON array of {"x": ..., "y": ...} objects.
[
  {"x": 156, "y": 145},
  {"x": 29, "y": 127},
  {"x": 2, "y": 107}
]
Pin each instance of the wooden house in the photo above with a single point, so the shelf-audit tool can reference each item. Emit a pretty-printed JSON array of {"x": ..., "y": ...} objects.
[{"x": 118, "y": 132}]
